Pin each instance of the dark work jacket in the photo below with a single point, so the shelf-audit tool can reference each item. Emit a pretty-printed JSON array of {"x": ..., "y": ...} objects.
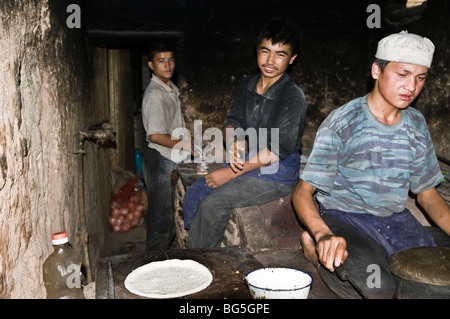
[{"x": 283, "y": 107}]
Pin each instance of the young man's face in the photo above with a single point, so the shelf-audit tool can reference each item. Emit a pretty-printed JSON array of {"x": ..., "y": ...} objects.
[
  {"x": 274, "y": 59},
  {"x": 163, "y": 65},
  {"x": 400, "y": 83}
]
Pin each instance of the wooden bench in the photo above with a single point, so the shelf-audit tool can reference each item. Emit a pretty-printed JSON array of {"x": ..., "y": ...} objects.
[{"x": 267, "y": 227}]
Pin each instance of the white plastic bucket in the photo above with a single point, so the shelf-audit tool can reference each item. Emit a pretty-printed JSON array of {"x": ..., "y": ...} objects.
[{"x": 279, "y": 283}]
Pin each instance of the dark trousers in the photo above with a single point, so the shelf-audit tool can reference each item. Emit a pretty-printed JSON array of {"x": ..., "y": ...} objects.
[
  {"x": 161, "y": 195},
  {"x": 214, "y": 211},
  {"x": 364, "y": 254}
]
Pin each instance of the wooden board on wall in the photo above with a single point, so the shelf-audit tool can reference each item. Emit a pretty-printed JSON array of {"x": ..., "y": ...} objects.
[{"x": 120, "y": 93}]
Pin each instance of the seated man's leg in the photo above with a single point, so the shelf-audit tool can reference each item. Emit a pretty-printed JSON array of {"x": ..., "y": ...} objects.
[
  {"x": 160, "y": 193},
  {"x": 192, "y": 199},
  {"x": 366, "y": 265},
  {"x": 440, "y": 238},
  {"x": 213, "y": 213}
]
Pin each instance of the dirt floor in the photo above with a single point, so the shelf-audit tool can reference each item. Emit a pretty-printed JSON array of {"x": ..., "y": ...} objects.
[{"x": 129, "y": 242}]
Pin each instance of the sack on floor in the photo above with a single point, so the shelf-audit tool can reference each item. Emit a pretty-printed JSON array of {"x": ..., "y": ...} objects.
[{"x": 126, "y": 206}]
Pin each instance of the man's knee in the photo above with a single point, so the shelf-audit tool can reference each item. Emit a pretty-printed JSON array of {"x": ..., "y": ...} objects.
[
  {"x": 384, "y": 289},
  {"x": 370, "y": 285}
]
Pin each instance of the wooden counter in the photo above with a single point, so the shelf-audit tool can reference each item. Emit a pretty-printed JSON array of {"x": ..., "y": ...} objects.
[{"x": 228, "y": 266}]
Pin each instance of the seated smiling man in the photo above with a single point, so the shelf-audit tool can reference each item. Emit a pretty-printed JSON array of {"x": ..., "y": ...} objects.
[
  {"x": 265, "y": 101},
  {"x": 367, "y": 155}
]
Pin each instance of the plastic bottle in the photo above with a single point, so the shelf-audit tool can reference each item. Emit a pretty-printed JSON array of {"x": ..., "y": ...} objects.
[{"x": 62, "y": 270}]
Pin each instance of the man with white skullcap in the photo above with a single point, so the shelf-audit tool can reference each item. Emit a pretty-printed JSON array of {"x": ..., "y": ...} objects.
[{"x": 367, "y": 156}]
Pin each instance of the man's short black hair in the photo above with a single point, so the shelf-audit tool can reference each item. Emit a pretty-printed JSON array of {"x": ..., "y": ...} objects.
[
  {"x": 381, "y": 63},
  {"x": 282, "y": 31},
  {"x": 155, "y": 48}
]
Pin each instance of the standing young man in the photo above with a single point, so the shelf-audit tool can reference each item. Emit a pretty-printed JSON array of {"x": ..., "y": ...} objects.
[
  {"x": 367, "y": 155},
  {"x": 267, "y": 100},
  {"x": 161, "y": 115}
]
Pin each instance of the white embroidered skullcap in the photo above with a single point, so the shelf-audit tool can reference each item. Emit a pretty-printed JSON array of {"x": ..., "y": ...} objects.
[{"x": 406, "y": 48}]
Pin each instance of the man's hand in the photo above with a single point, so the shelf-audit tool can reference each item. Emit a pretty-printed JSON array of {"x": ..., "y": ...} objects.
[
  {"x": 331, "y": 250},
  {"x": 219, "y": 177},
  {"x": 236, "y": 155},
  {"x": 167, "y": 141}
]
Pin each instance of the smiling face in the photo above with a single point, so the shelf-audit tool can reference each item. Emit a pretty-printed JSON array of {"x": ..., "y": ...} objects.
[
  {"x": 399, "y": 84},
  {"x": 274, "y": 59},
  {"x": 163, "y": 65}
]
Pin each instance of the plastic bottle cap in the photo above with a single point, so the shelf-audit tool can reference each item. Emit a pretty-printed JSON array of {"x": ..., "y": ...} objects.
[{"x": 59, "y": 238}]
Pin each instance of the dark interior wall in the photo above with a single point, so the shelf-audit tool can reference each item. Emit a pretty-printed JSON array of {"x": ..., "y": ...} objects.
[
  {"x": 338, "y": 48},
  {"x": 334, "y": 62},
  {"x": 434, "y": 101}
]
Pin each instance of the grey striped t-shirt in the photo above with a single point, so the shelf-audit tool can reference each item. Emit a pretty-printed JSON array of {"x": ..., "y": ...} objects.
[{"x": 360, "y": 165}]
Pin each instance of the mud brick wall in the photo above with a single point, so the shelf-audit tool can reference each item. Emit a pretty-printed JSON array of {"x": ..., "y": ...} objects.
[{"x": 45, "y": 102}]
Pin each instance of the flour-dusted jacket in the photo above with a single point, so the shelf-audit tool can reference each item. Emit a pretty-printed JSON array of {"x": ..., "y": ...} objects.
[{"x": 282, "y": 107}]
